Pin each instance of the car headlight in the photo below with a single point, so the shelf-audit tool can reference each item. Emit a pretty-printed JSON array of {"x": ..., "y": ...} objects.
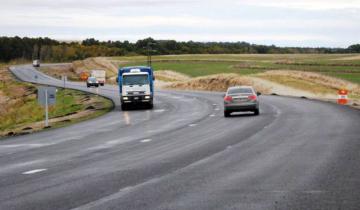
[
  {"x": 125, "y": 98},
  {"x": 147, "y": 97}
]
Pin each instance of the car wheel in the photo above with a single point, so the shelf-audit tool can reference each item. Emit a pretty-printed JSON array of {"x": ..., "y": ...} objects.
[
  {"x": 227, "y": 114},
  {"x": 123, "y": 107},
  {"x": 88, "y": 86},
  {"x": 257, "y": 112},
  {"x": 151, "y": 105}
]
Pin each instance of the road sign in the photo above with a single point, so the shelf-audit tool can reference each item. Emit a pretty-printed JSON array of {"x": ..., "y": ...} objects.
[
  {"x": 84, "y": 76},
  {"x": 343, "y": 97},
  {"x": 46, "y": 95}
]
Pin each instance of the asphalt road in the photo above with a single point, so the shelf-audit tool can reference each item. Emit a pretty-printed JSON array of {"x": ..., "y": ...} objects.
[{"x": 297, "y": 154}]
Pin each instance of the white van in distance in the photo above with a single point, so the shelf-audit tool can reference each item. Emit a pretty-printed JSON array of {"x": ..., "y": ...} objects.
[
  {"x": 36, "y": 63},
  {"x": 100, "y": 76}
]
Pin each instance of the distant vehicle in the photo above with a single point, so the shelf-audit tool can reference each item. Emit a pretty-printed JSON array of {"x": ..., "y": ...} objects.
[
  {"x": 100, "y": 75},
  {"x": 92, "y": 81},
  {"x": 36, "y": 63},
  {"x": 241, "y": 98},
  {"x": 136, "y": 86}
]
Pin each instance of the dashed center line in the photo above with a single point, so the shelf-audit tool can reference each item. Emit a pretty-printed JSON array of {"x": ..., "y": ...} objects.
[
  {"x": 193, "y": 125},
  {"x": 212, "y": 115},
  {"x": 145, "y": 140},
  {"x": 34, "y": 171}
]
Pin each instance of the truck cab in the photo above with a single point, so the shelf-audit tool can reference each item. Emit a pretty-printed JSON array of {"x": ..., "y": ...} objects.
[
  {"x": 36, "y": 63},
  {"x": 136, "y": 86}
]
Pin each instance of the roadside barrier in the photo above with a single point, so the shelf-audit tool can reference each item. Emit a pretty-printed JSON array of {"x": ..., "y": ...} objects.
[{"x": 343, "y": 97}]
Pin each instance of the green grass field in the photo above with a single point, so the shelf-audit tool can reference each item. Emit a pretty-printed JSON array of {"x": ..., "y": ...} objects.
[{"x": 344, "y": 66}]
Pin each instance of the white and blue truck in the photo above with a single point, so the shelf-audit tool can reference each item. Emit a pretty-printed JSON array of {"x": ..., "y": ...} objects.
[{"x": 136, "y": 85}]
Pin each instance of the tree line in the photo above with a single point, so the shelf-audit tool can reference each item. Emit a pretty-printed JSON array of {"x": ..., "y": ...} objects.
[{"x": 51, "y": 50}]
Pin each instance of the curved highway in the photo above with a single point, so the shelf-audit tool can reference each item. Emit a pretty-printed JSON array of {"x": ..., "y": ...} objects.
[{"x": 183, "y": 154}]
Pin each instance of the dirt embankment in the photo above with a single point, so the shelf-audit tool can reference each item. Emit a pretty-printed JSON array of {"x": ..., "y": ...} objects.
[
  {"x": 286, "y": 83},
  {"x": 331, "y": 83},
  {"x": 98, "y": 63},
  {"x": 73, "y": 70},
  {"x": 164, "y": 78},
  {"x": 60, "y": 70},
  {"x": 218, "y": 82}
]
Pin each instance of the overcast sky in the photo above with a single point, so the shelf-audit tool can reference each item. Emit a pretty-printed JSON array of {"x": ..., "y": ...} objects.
[{"x": 328, "y": 23}]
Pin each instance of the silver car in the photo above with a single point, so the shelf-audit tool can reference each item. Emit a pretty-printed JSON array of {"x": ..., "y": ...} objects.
[{"x": 241, "y": 98}]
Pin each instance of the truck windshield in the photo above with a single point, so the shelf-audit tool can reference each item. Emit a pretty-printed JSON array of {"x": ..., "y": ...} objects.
[{"x": 135, "y": 79}]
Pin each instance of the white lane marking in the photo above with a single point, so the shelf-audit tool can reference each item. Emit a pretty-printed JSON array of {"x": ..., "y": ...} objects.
[
  {"x": 314, "y": 191},
  {"x": 217, "y": 109},
  {"x": 34, "y": 171},
  {"x": 145, "y": 140},
  {"x": 212, "y": 115},
  {"x": 176, "y": 97},
  {"x": 193, "y": 125},
  {"x": 113, "y": 142},
  {"x": 214, "y": 104},
  {"x": 159, "y": 110}
]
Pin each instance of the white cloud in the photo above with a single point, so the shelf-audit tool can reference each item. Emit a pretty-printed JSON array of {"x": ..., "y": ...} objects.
[
  {"x": 305, "y": 4},
  {"x": 263, "y": 21},
  {"x": 89, "y": 4},
  {"x": 33, "y": 18}
]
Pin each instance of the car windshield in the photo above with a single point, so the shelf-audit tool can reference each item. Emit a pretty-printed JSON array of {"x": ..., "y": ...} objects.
[
  {"x": 92, "y": 79},
  {"x": 240, "y": 91},
  {"x": 135, "y": 79}
]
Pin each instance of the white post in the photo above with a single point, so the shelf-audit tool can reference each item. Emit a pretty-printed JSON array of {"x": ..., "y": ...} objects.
[
  {"x": 64, "y": 90},
  {"x": 46, "y": 109}
]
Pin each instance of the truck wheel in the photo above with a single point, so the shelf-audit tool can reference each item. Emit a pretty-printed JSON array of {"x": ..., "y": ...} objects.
[
  {"x": 151, "y": 105},
  {"x": 227, "y": 114},
  {"x": 88, "y": 86},
  {"x": 123, "y": 107}
]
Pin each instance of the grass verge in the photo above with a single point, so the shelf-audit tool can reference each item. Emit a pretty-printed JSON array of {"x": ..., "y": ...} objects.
[{"x": 20, "y": 112}]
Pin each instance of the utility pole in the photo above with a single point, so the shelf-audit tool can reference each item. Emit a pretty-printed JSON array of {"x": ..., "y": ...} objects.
[
  {"x": 149, "y": 51},
  {"x": 46, "y": 109}
]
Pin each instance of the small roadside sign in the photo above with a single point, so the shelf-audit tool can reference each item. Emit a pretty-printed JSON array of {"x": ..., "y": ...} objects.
[
  {"x": 46, "y": 95},
  {"x": 343, "y": 97}
]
